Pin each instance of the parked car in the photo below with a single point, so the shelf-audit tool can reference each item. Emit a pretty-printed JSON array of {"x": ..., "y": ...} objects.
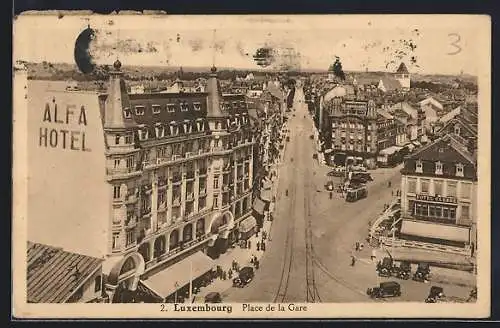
[
  {"x": 245, "y": 276},
  {"x": 423, "y": 272},
  {"x": 403, "y": 271},
  {"x": 385, "y": 267},
  {"x": 434, "y": 294},
  {"x": 385, "y": 289},
  {"x": 213, "y": 297}
]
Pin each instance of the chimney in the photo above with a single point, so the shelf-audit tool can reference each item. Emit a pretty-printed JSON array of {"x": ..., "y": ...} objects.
[
  {"x": 117, "y": 99},
  {"x": 214, "y": 99}
]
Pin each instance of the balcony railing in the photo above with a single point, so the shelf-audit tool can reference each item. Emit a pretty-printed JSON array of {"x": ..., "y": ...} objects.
[
  {"x": 190, "y": 175},
  {"x": 176, "y": 178}
]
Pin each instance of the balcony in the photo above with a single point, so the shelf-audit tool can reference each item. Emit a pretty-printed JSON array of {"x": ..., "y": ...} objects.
[
  {"x": 176, "y": 178},
  {"x": 131, "y": 222},
  {"x": 202, "y": 171},
  {"x": 190, "y": 175}
]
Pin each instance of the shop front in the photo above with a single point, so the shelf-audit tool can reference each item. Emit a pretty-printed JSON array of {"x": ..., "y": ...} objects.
[
  {"x": 173, "y": 283},
  {"x": 435, "y": 233}
]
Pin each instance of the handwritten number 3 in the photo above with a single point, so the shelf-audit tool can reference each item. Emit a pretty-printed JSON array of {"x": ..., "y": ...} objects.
[{"x": 455, "y": 43}]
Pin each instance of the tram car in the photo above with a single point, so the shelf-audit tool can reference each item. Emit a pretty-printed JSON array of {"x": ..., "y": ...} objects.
[{"x": 356, "y": 193}]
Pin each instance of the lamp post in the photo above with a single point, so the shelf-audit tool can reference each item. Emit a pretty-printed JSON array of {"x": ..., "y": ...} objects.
[{"x": 176, "y": 288}]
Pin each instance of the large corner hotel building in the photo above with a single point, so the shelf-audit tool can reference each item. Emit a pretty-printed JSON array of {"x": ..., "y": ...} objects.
[{"x": 140, "y": 180}]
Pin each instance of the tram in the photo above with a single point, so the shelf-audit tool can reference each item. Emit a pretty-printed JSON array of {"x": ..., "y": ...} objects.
[{"x": 355, "y": 194}]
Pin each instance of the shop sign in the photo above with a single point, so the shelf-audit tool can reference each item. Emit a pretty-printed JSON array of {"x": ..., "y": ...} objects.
[{"x": 439, "y": 199}]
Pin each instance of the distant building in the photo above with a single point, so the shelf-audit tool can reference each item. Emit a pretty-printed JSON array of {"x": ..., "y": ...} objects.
[
  {"x": 438, "y": 198},
  {"x": 137, "y": 89},
  {"x": 463, "y": 126},
  {"x": 400, "y": 80},
  {"x": 430, "y": 108}
]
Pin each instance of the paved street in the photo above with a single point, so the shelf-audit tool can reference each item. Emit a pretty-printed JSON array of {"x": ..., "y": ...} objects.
[{"x": 319, "y": 270}]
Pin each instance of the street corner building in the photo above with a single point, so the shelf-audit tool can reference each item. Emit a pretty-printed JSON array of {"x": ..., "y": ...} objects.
[
  {"x": 141, "y": 181},
  {"x": 438, "y": 199}
]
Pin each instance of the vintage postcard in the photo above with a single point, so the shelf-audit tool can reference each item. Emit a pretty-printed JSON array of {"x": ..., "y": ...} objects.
[{"x": 328, "y": 166}]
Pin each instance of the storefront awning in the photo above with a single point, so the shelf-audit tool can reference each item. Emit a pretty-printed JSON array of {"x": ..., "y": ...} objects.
[
  {"x": 390, "y": 150},
  {"x": 436, "y": 231},
  {"x": 248, "y": 224},
  {"x": 166, "y": 282},
  {"x": 259, "y": 206}
]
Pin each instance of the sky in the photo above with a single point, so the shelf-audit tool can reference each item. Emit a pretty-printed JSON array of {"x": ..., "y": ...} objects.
[{"x": 428, "y": 44}]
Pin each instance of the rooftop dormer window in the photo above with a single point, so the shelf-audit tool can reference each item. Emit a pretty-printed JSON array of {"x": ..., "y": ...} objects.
[
  {"x": 127, "y": 113},
  {"x": 139, "y": 110},
  {"x": 184, "y": 107},
  {"x": 170, "y": 108},
  {"x": 456, "y": 129},
  {"x": 419, "y": 166},
  {"x": 459, "y": 170},
  {"x": 197, "y": 106},
  {"x": 156, "y": 109},
  {"x": 439, "y": 168}
]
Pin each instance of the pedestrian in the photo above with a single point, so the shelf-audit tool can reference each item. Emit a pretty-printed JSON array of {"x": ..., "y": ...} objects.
[
  {"x": 269, "y": 237},
  {"x": 258, "y": 246},
  {"x": 224, "y": 275},
  {"x": 230, "y": 274},
  {"x": 263, "y": 246},
  {"x": 357, "y": 246},
  {"x": 353, "y": 260},
  {"x": 369, "y": 223},
  {"x": 264, "y": 235},
  {"x": 251, "y": 260},
  {"x": 249, "y": 244},
  {"x": 392, "y": 193},
  {"x": 257, "y": 264}
]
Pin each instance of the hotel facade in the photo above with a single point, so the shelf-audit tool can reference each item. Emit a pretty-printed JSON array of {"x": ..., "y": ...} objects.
[
  {"x": 439, "y": 197},
  {"x": 139, "y": 180}
]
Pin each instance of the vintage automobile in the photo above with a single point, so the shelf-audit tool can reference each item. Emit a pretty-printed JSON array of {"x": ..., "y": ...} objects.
[
  {"x": 245, "y": 276},
  {"x": 423, "y": 272},
  {"x": 435, "y": 293},
  {"x": 403, "y": 271},
  {"x": 385, "y": 267},
  {"x": 385, "y": 289},
  {"x": 213, "y": 297}
]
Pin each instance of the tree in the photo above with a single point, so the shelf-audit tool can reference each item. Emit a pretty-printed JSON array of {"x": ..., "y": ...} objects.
[{"x": 337, "y": 69}]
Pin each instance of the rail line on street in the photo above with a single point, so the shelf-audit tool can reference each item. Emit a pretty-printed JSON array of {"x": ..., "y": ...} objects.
[{"x": 288, "y": 255}]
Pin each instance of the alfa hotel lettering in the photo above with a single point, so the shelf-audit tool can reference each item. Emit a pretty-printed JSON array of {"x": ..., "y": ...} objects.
[{"x": 64, "y": 138}]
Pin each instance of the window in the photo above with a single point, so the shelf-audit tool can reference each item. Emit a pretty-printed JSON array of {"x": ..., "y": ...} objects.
[
  {"x": 139, "y": 110},
  {"x": 161, "y": 198},
  {"x": 116, "y": 192},
  {"x": 216, "y": 201},
  {"x": 465, "y": 212},
  {"x": 156, "y": 109},
  {"x": 368, "y": 149},
  {"x": 197, "y": 106},
  {"x": 424, "y": 186},
  {"x": 216, "y": 181},
  {"x": 97, "y": 284},
  {"x": 451, "y": 189},
  {"x": 130, "y": 237},
  {"x": 117, "y": 163},
  {"x": 130, "y": 162},
  {"x": 457, "y": 129},
  {"x": 128, "y": 139},
  {"x": 438, "y": 187},
  {"x": 412, "y": 185},
  {"x": 184, "y": 107},
  {"x": 460, "y": 170},
  {"x": 466, "y": 190},
  {"x": 418, "y": 167},
  {"x": 170, "y": 108},
  {"x": 439, "y": 168},
  {"x": 116, "y": 240},
  {"x": 127, "y": 113},
  {"x": 117, "y": 140}
]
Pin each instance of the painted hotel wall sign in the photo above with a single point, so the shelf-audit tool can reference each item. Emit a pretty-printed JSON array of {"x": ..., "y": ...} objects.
[
  {"x": 440, "y": 199},
  {"x": 72, "y": 120}
]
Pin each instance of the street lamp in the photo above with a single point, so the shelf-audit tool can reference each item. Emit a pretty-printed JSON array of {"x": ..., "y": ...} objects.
[{"x": 176, "y": 288}]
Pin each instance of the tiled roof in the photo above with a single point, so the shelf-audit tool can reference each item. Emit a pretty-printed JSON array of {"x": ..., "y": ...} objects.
[
  {"x": 53, "y": 274},
  {"x": 406, "y": 108},
  {"x": 402, "y": 69},
  {"x": 453, "y": 152},
  {"x": 384, "y": 114}
]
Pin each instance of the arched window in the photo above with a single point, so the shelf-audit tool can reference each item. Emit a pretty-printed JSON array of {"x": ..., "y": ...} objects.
[
  {"x": 174, "y": 239},
  {"x": 200, "y": 227},
  {"x": 144, "y": 251},
  {"x": 129, "y": 265},
  {"x": 159, "y": 248},
  {"x": 187, "y": 233}
]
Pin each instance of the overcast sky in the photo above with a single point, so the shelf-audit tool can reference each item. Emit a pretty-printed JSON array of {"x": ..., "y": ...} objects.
[{"x": 376, "y": 43}]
